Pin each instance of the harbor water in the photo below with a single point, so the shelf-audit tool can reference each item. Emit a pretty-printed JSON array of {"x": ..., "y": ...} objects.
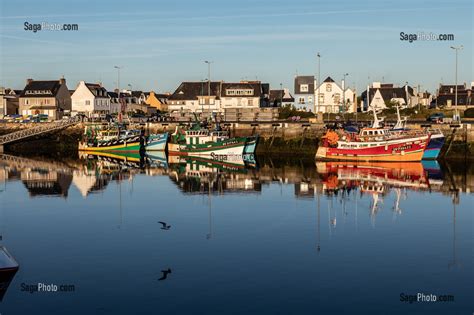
[{"x": 129, "y": 235}]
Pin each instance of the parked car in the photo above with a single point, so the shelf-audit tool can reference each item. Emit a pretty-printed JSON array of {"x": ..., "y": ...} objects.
[
  {"x": 138, "y": 118},
  {"x": 435, "y": 118}
]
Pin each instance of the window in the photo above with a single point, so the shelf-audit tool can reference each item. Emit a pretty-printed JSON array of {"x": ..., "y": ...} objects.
[
  {"x": 337, "y": 98},
  {"x": 321, "y": 98},
  {"x": 310, "y": 99},
  {"x": 301, "y": 100},
  {"x": 304, "y": 87},
  {"x": 239, "y": 92},
  {"x": 88, "y": 102},
  {"x": 328, "y": 87}
]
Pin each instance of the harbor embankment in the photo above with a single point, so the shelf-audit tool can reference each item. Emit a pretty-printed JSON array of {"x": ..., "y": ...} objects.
[{"x": 274, "y": 137}]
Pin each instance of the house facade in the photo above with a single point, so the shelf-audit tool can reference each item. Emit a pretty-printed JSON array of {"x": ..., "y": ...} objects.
[
  {"x": 245, "y": 94},
  {"x": 50, "y": 98},
  {"x": 378, "y": 95},
  {"x": 218, "y": 99},
  {"x": 9, "y": 101},
  {"x": 330, "y": 97},
  {"x": 90, "y": 99},
  {"x": 446, "y": 95},
  {"x": 158, "y": 101},
  {"x": 304, "y": 93},
  {"x": 280, "y": 98}
]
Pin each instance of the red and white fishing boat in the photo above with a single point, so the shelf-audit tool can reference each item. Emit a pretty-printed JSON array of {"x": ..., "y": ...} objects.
[{"x": 373, "y": 144}]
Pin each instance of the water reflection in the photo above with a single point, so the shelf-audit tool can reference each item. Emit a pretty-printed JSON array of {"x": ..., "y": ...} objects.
[
  {"x": 194, "y": 221},
  {"x": 92, "y": 173}
]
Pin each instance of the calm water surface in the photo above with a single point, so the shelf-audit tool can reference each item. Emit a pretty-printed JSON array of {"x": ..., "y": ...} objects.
[{"x": 277, "y": 236}]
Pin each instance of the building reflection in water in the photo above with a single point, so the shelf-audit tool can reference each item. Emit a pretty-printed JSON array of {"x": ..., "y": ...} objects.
[{"x": 197, "y": 175}]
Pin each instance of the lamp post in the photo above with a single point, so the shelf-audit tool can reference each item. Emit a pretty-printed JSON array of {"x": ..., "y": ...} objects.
[
  {"x": 318, "y": 55},
  {"x": 344, "y": 92},
  {"x": 281, "y": 95},
  {"x": 118, "y": 86},
  {"x": 209, "y": 83},
  {"x": 457, "y": 49}
]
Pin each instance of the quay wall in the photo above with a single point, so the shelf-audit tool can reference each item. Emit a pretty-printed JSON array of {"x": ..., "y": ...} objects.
[{"x": 275, "y": 137}]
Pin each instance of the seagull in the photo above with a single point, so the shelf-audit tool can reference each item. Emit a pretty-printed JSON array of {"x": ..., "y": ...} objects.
[
  {"x": 165, "y": 226},
  {"x": 164, "y": 274}
]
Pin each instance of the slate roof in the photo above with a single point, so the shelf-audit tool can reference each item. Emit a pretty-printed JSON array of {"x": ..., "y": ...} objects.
[
  {"x": 277, "y": 95},
  {"x": 97, "y": 90},
  {"x": 191, "y": 90},
  {"x": 255, "y": 86},
  {"x": 41, "y": 89},
  {"x": 328, "y": 80},
  {"x": 446, "y": 89},
  {"x": 304, "y": 79},
  {"x": 389, "y": 92}
]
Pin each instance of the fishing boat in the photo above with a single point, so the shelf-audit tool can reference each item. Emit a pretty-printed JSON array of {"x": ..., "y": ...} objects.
[
  {"x": 251, "y": 145},
  {"x": 436, "y": 140},
  {"x": 373, "y": 144},
  {"x": 434, "y": 145},
  {"x": 111, "y": 140},
  {"x": 199, "y": 141},
  {"x": 8, "y": 269},
  {"x": 156, "y": 142}
]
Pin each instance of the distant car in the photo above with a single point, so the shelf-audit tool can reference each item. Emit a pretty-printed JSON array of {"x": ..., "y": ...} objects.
[
  {"x": 436, "y": 117},
  {"x": 138, "y": 118}
]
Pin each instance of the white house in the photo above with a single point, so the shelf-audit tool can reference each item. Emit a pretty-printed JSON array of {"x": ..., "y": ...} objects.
[
  {"x": 379, "y": 94},
  {"x": 216, "y": 97},
  {"x": 330, "y": 98},
  {"x": 90, "y": 99}
]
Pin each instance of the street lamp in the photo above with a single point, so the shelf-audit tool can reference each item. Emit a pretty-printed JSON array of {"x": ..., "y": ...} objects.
[
  {"x": 209, "y": 84},
  {"x": 318, "y": 55},
  {"x": 118, "y": 85},
  {"x": 457, "y": 49},
  {"x": 344, "y": 92},
  {"x": 281, "y": 95}
]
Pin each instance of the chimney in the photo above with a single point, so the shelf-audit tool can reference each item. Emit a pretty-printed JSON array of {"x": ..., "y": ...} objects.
[
  {"x": 28, "y": 81},
  {"x": 62, "y": 81}
]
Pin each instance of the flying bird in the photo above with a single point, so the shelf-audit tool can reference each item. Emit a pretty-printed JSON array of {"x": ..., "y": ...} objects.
[
  {"x": 164, "y": 274},
  {"x": 165, "y": 226}
]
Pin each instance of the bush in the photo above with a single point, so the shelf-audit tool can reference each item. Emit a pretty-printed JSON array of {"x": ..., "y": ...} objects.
[
  {"x": 288, "y": 111},
  {"x": 469, "y": 113}
]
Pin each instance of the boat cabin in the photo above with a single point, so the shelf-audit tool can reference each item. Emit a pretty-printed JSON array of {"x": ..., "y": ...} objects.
[
  {"x": 373, "y": 132},
  {"x": 203, "y": 136}
]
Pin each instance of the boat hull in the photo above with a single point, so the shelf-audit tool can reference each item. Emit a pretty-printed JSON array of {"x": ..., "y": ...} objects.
[
  {"x": 226, "y": 147},
  {"x": 133, "y": 145},
  {"x": 156, "y": 142},
  {"x": 434, "y": 147},
  {"x": 403, "y": 150},
  {"x": 251, "y": 145}
]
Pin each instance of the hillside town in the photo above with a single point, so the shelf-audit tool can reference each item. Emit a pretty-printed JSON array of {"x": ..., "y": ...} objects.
[{"x": 54, "y": 99}]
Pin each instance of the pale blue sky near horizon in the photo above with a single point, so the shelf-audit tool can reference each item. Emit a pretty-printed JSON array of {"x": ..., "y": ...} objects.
[{"x": 162, "y": 43}]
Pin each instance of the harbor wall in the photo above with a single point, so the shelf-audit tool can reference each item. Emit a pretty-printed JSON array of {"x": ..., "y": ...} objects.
[{"x": 274, "y": 137}]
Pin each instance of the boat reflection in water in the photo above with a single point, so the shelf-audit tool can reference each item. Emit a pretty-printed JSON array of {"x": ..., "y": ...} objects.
[
  {"x": 213, "y": 173},
  {"x": 375, "y": 179}
]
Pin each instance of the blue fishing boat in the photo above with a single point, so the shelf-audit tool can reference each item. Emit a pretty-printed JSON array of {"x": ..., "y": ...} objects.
[
  {"x": 251, "y": 145},
  {"x": 434, "y": 145},
  {"x": 156, "y": 142}
]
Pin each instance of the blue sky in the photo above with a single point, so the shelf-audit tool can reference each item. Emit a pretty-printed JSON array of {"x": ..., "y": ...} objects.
[{"x": 161, "y": 43}]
